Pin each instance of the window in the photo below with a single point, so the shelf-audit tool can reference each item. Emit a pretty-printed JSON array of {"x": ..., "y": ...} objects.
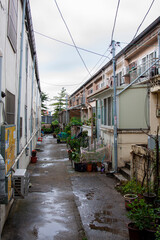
[
  {"x": 105, "y": 111},
  {"x": 102, "y": 111},
  {"x": 12, "y": 23},
  {"x": 119, "y": 79},
  {"x": 10, "y": 108},
  {"x": 109, "y": 111}
]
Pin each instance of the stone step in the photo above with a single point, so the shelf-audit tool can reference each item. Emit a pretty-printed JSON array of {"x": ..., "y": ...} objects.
[
  {"x": 125, "y": 172},
  {"x": 120, "y": 177},
  {"x": 128, "y": 165}
]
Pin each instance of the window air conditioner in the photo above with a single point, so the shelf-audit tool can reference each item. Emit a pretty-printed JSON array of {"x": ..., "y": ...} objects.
[{"x": 20, "y": 182}]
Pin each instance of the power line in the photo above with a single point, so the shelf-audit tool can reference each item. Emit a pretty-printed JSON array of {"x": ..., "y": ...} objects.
[
  {"x": 143, "y": 19},
  {"x": 115, "y": 20},
  {"x": 72, "y": 38},
  {"x": 68, "y": 44},
  {"x": 93, "y": 68},
  {"x": 60, "y": 85}
]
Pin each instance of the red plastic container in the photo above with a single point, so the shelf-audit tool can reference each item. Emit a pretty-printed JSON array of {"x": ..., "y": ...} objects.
[
  {"x": 34, "y": 153},
  {"x": 33, "y": 159}
]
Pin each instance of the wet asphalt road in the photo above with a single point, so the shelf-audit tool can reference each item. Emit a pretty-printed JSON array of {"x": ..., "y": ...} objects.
[{"x": 66, "y": 205}]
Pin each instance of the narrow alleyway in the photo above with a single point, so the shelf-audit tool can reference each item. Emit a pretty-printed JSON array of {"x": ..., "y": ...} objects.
[{"x": 63, "y": 204}]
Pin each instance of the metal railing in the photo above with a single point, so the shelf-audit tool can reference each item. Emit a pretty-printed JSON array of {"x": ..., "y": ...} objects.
[{"x": 153, "y": 70}]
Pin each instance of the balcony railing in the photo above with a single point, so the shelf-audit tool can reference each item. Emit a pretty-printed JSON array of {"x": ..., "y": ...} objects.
[{"x": 136, "y": 71}]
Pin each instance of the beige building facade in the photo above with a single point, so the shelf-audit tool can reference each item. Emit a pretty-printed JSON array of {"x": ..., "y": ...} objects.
[{"x": 138, "y": 98}]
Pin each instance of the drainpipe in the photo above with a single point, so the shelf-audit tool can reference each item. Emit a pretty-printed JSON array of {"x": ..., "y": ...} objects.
[
  {"x": 114, "y": 107},
  {"x": 0, "y": 121},
  {"x": 20, "y": 79},
  {"x": 0, "y": 84},
  {"x": 91, "y": 122},
  {"x": 159, "y": 44},
  {"x": 31, "y": 127}
]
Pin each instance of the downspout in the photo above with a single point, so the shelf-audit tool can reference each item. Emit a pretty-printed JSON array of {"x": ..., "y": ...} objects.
[
  {"x": 0, "y": 86},
  {"x": 0, "y": 121},
  {"x": 91, "y": 122},
  {"x": 31, "y": 127},
  {"x": 159, "y": 44},
  {"x": 114, "y": 108},
  {"x": 20, "y": 79}
]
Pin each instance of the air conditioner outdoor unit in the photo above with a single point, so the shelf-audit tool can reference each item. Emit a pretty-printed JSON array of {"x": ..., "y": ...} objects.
[
  {"x": 158, "y": 112},
  {"x": 20, "y": 182}
]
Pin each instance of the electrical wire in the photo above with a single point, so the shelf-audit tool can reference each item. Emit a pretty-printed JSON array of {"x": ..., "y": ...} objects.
[
  {"x": 68, "y": 44},
  {"x": 60, "y": 85},
  {"x": 143, "y": 19},
  {"x": 115, "y": 21},
  {"x": 94, "y": 68},
  {"x": 72, "y": 38}
]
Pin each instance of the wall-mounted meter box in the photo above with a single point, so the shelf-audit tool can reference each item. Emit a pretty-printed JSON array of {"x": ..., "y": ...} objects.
[
  {"x": 8, "y": 145},
  {"x": 8, "y": 189}
]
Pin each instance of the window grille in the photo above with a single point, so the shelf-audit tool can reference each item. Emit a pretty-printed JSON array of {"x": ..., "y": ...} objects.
[{"x": 10, "y": 107}]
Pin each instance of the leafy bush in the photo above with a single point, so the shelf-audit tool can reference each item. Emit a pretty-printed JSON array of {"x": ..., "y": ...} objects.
[
  {"x": 143, "y": 215},
  {"x": 75, "y": 121},
  {"x": 157, "y": 234},
  {"x": 55, "y": 123},
  {"x": 74, "y": 143},
  {"x": 47, "y": 130},
  {"x": 75, "y": 156},
  {"x": 132, "y": 186},
  {"x": 57, "y": 130}
]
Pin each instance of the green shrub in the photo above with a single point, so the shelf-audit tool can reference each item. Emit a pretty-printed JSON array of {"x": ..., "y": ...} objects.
[
  {"x": 47, "y": 130},
  {"x": 57, "y": 130},
  {"x": 143, "y": 215},
  {"x": 55, "y": 123},
  {"x": 132, "y": 186}
]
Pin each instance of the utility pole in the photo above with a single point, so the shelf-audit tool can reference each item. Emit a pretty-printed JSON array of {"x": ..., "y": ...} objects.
[{"x": 114, "y": 105}]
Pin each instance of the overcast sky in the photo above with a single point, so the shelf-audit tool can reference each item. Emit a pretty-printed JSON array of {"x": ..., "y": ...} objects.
[{"x": 90, "y": 23}]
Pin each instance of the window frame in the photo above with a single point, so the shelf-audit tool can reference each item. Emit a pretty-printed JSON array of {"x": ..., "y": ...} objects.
[{"x": 12, "y": 23}]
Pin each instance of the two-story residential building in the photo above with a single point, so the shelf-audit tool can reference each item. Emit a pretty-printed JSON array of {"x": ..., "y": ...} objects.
[
  {"x": 20, "y": 95},
  {"x": 137, "y": 86}
]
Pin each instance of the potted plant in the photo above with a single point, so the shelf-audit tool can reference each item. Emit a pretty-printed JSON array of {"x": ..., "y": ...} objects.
[
  {"x": 89, "y": 167},
  {"x": 131, "y": 190},
  {"x": 144, "y": 220}
]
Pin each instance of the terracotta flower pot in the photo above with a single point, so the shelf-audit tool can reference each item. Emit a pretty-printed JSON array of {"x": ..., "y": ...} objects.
[
  {"x": 129, "y": 198},
  {"x": 134, "y": 233},
  {"x": 149, "y": 198},
  {"x": 89, "y": 167},
  {"x": 149, "y": 234}
]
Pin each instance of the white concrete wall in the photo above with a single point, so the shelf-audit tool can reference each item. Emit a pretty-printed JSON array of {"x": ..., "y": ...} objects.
[{"x": 10, "y": 82}]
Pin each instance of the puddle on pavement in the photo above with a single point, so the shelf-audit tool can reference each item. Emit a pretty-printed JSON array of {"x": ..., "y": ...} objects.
[
  {"x": 104, "y": 221},
  {"x": 45, "y": 165},
  {"x": 36, "y": 175},
  {"x": 90, "y": 195}
]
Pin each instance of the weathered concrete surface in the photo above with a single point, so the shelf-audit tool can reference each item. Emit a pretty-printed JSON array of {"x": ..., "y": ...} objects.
[
  {"x": 101, "y": 207},
  {"x": 62, "y": 203}
]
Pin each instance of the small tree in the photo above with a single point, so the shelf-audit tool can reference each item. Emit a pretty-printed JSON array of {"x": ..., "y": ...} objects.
[
  {"x": 44, "y": 98},
  {"x": 60, "y": 103}
]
